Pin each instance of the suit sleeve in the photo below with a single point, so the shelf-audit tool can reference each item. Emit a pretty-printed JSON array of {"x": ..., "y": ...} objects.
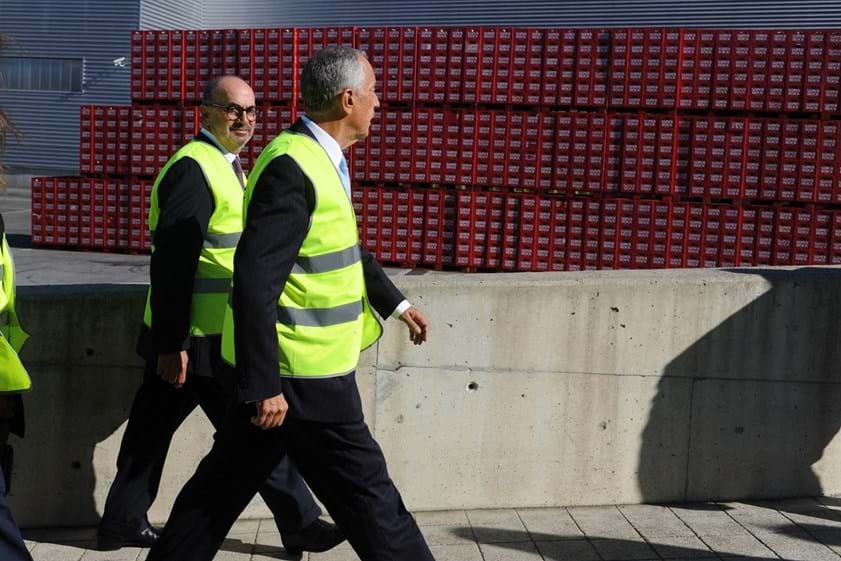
[
  {"x": 276, "y": 224},
  {"x": 382, "y": 294},
  {"x": 186, "y": 205}
]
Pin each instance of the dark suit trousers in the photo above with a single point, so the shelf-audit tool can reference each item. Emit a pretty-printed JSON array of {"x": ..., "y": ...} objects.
[
  {"x": 12, "y": 547},
  {"x": 157, "y": 412},
  {"x": 343, "y": 465}
]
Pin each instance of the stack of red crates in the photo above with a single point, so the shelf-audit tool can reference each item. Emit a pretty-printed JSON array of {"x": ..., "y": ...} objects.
[{"x": 512, "y": 148}]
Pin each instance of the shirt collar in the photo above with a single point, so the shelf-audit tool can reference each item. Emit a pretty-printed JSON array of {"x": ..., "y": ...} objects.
[
  {"x": 334, "y": 151},
  {"x": 230, "y": 156}
]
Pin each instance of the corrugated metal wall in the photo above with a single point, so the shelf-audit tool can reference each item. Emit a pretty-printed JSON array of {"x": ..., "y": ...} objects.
[
  {"x": 96, "y": 30},
  {"x": 164, "y": 14},
  {"x": 564, "y": 13}
]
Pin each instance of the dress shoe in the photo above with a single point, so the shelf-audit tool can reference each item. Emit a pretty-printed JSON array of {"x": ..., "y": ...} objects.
[
  {"x": 317, "y": 537},
  {"x": 109, "y": 540}
]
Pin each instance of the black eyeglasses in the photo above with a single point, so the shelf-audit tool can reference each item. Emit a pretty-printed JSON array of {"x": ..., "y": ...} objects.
[{"x": 234, "y": 111}]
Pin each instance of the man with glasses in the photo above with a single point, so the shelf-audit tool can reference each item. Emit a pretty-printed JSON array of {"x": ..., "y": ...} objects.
[
  {"x": 196, "y": 220},
  {"x": 300, "y": 313}
]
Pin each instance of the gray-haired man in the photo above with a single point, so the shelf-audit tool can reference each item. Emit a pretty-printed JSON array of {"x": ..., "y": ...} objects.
[{"x": 300, "y": 316}]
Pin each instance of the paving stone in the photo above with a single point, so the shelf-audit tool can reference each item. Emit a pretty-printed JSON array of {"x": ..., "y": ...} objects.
[
  {"x": 277, "y": 555},
  {"x": 797, "y": 546},
  {"x": 496, "y": 526},
  {"x": 549, "y": 524},
  {"x": 464, "y": 552},
  {"x": 236, "y": 545},
  {"x": 342, "y": 552},
  {"x": 830, "y": 538},
  {"x": 741, "y": 545},
  {"x": 708, "y": 519},
  {"x": 519, "y": 551},
  {"x": 274, "y": 556},
  {"x": 681, "y": 547},
  {"x": 757, "y": 518},
  {"x": 232, "y": 556},
  {"x": 810, "y": 514},
  {"x": 57, "y": 552},
  {"x": 442, "y": 518},
  {"x": 623, "y": 550},
  {"x": 655, "y": 521},
  {"x": 447, "y": 535},
  {"x": 567, "y": 550},
  {"x": 802, "y": 504},
  {"x": 61, "y": 535},
  {"x": 603, "y": 522},
  {"x": 123, "y": 554},
  {"x": 267, "y": 540},
  {"x": 244, "y": 529}
]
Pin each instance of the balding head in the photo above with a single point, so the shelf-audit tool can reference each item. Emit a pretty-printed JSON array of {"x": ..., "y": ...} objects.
[{"x": 225, "y": 107}]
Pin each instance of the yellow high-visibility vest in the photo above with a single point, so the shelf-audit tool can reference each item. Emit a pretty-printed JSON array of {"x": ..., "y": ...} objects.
[
  {"x": 13, "y": 376},
  {"x": 216, "y": 261},
  {"x": 323, "y": 316}
]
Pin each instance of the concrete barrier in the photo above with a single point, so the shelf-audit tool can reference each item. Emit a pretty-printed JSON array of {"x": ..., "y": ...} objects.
[{"x": 534, "y": 390}]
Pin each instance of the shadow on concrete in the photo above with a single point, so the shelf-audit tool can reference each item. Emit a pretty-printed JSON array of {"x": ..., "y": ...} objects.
[
  {"x": 85, "y": 538},
  {"x": 85, "y": 373},
  {"x": 553, "y": 548},
  {"x": 759, "y": 412},
  {"x": 50, "y": 484},
  {"x": 812, "y": 532}
]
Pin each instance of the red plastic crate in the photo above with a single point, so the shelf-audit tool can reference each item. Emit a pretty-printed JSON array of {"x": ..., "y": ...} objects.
[
  {"x": 592, "y": 67},
  {"x": 697, "y": 62}
]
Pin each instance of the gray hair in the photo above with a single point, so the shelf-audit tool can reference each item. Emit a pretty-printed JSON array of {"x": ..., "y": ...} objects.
[{"x": 327, "y": 73}]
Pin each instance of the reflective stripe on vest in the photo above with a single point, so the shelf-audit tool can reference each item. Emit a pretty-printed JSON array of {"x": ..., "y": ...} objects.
[
  {"x": 216, "y": 260},
  {"x": 222, "y": 241},
  {"x": 319, "y": 317},
  {"x": 327, "y": 262},
  {"x": 323, "y": 316}
]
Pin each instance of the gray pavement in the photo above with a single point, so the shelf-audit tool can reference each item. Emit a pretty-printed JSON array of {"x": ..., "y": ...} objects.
[{"x": 799, "y": 530}]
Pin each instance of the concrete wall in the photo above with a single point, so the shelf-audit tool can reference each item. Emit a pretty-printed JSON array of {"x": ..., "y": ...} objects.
[{"x": 534, "y": 390}]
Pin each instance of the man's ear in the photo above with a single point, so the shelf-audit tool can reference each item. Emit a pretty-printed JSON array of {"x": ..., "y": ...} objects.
[{"x": 348, "y": 100}]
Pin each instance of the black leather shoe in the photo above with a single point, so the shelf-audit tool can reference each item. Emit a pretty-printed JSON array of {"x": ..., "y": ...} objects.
[
  {"x": 317, "y": 537},
  {"x": 109, "y": 540}
]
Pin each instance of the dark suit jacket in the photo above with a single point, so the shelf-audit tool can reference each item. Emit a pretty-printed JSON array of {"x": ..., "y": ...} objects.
[
  {"x": 278, "y": 218},
  {"x": 186, "y": 204}
]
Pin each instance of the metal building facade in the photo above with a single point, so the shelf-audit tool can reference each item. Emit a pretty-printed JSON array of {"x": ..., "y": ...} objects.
[
  {"x": 545, "y": 13},
  {"x": 97, "y": 31},
  {"x": 166, "y": 14}
]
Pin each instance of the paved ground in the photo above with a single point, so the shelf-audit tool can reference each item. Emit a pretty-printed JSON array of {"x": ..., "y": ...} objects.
[{"x": 799, "y": 529}]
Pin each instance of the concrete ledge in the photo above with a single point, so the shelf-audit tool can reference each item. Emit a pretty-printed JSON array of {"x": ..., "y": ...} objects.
[{"x": 534, "y": 390}]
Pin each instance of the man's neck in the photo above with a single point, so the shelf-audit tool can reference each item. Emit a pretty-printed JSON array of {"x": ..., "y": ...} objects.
[
  {"x": 218, "y": 144},
  {"x": 335, "y": 128}
]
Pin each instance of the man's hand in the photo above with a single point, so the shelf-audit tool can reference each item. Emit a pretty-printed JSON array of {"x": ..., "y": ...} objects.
[
  {"x": 271, "y": 412},
  {"x": 417, "y": 324},
  {"x": 172, "y": 367}
]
